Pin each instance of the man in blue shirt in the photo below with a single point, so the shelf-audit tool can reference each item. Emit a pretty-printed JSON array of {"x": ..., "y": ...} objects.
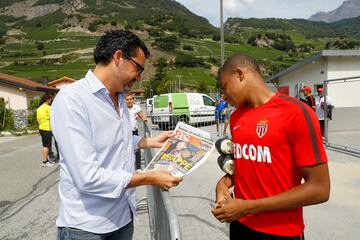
[
  {"x": 91, "y": 123},
  {"x": 221, "y": 108}
]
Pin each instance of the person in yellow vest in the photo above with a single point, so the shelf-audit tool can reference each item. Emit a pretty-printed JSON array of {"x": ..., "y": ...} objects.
[{"x": 43, "y": 119}]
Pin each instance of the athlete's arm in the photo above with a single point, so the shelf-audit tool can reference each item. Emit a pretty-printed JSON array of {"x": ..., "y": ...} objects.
[
  {"x": 314, "y": 190},
  {"x": 222, "y": 189}
]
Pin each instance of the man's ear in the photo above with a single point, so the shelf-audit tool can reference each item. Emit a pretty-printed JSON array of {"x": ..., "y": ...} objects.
[{"x": 118, "y": 56}]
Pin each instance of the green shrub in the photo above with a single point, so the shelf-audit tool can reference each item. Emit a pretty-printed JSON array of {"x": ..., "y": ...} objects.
[
  {"x": 34, "y": 104},
  {"x": 8, "y": 122},
  {"x": 188, "y": 47}
]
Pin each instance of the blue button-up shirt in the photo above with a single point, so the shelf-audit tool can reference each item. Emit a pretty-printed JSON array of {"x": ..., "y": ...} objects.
[{"x": 96, "y": 157}]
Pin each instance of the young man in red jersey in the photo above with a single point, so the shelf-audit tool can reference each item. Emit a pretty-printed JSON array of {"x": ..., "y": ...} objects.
[{"x": 277, "y": 144}]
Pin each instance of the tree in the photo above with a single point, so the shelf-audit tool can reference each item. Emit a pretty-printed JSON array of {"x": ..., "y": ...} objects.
[
  {"x": 167, "y": 43},
  {"x": 34, "y": 104},
  {"x": 160, "y": 83},
  {"x": 215, "y": 37},
  {"x": 8, "y": 122},
  {"x": 40, "y": 46},
  {"x": 188, "y": 47}
]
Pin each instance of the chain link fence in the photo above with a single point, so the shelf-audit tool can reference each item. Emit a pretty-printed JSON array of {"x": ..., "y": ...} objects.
[{"x": 342, "y": 128}]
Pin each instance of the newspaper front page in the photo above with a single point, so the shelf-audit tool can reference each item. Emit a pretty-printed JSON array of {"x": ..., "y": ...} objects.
[{"x": 184, "y": 152}]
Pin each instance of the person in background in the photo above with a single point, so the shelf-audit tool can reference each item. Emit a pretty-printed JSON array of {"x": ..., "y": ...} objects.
[
  {"x": 221, "y": 108},
  {"x": 90, "y": 121},
  {"x": 309, "y": 99},
  {"x": 43, "y": 119},
  {"x": 320, "y": 108},
  {"x": 280, "y": 161},
  {"x": 135, "y": 114}
]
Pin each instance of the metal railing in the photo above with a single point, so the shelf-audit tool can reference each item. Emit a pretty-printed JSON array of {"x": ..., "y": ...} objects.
[
  {"x": 163, "y": 220},
  {"x": 342, "y": 132}
]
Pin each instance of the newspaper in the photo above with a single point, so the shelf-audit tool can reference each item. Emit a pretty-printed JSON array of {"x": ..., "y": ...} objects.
[{"x": 184, "y": 152}]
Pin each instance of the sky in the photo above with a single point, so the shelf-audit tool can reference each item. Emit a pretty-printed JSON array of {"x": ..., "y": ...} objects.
[{"x": 210, "y": 9}]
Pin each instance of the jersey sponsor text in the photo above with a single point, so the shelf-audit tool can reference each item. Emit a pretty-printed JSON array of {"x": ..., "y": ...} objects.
[{"x": 252, "y": 152}]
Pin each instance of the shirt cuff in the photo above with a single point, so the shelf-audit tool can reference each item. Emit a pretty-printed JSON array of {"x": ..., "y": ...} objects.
[{"x": 136, "y": 140}]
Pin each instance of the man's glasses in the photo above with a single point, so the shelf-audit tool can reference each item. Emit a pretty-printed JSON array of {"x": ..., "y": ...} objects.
[{"x": 139, "y": 67}]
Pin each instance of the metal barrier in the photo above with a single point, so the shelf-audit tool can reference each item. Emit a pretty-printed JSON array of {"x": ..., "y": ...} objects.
[
  {"x": 342, "y": 133},
  {"x": 208, "y": 120},
  {"x": 163, "y": 221}
]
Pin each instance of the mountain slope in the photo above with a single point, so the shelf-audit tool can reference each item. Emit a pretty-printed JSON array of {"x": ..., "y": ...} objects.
[
  {"x": 344, "y": 28},
  {"x": 349, "y": 9},
  {"x": 17, "y": 13}
]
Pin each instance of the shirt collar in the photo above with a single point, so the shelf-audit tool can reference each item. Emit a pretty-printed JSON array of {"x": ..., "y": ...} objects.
[{"x": 94, "y": 83}]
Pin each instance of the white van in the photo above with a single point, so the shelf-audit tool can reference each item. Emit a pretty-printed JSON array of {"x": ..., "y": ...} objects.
[{"x": 192, "y": 108}]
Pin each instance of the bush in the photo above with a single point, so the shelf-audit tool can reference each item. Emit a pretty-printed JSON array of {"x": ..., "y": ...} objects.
[
  {"x": 8, "y": 122},
  {"x": 216, "y": 37},
  {"x": 40, "y": 46},
  {"x": 167, "y": 43},
  {"x": 34, "y": 104},
  {"x": 188, "y": 47},
  {"x": 184, "y": 60},
  {"x": 153, "y": 32}
]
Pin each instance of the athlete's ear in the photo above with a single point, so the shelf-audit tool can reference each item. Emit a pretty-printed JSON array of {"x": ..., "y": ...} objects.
[{"x": 240, "y": 74}]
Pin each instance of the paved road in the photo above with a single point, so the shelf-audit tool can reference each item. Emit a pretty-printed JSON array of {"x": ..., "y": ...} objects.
[{"x": 29, "y": 200}]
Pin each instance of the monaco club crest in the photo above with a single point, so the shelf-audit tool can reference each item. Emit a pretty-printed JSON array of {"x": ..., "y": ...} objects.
[{"x": 261, "y": 128}]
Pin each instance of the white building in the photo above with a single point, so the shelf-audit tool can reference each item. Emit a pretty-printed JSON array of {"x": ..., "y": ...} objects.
[
  {"x": 61, "y": 82},
  {"x": 17, "y": 93},
  {"x": 325, "y": 65}
]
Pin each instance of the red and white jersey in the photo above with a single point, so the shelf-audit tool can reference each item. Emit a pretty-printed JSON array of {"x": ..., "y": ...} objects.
[{"x": 271, "y": 142}]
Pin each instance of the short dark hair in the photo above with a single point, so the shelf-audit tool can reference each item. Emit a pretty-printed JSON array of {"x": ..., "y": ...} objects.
[
  {"x": 239, "y": 60},
  {"x": 45, "y": 97},
  {"x": 114, "y": 40}
]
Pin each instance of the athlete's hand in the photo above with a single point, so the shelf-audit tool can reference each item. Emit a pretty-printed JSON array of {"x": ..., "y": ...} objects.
[
  {"x": 231, "y": 209},
  {"x": 222, "y": 190}
]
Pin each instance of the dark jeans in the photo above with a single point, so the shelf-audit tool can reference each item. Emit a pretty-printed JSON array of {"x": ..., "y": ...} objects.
[
  {"x": 239, "y": 231},
  {"x": 137, "y": 154},
  {"x": 124, "y": 233}
]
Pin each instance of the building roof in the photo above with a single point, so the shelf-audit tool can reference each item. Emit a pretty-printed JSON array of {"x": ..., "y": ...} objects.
[
  {"x": 139, "y": 90},
  {"x": 24, "y": 83},
  {"x": 322, "y": 54},
  {"x": 60, "y": 80}
]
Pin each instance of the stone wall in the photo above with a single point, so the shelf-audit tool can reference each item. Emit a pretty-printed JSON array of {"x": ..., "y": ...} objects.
[{"x": 20, "y": 118}]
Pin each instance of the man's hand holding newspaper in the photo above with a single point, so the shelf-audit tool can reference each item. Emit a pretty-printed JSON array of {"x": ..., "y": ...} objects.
[{"x": 185, "y": 150}]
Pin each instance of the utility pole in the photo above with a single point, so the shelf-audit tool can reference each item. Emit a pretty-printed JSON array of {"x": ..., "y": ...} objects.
[{"x": 222, "y": 33}]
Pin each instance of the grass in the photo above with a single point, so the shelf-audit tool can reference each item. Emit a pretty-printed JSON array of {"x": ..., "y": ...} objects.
[
  {"x": 210, "y": 48},
  {"x": 74, "y": 70},
  {"x": 191, "y": 76}
]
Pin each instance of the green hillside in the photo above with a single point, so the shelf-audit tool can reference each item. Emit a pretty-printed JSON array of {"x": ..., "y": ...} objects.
[
  {"x": 309, "y": 29},
  {"x": 60, "y": 44}
]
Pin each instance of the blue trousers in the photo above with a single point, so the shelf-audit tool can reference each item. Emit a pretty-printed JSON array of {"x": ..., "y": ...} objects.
[{"x": 124, "y": 233}]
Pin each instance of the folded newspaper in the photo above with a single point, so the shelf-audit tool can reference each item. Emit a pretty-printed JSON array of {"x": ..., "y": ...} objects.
[{"x": 184, "y": 152}]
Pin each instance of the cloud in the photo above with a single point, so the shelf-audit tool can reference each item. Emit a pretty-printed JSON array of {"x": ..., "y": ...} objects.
[
  {"x": 247, "y": 1},
  {"x": 234, "y": 6}
]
